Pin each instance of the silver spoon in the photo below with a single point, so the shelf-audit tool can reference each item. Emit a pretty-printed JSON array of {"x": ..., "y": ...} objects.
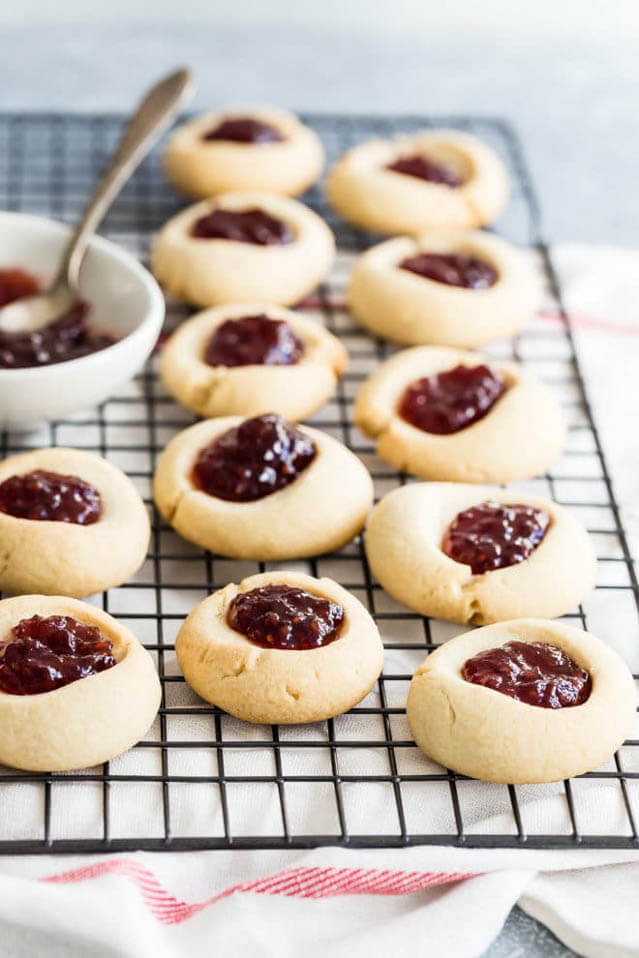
[{"x": 158, "y": 108}]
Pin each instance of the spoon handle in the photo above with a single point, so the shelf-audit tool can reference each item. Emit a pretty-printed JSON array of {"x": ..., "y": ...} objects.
[{"x": 158, "y": 108}]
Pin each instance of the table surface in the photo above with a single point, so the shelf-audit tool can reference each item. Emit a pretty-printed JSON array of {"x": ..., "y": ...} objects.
[{"x": 570, "y": 102}]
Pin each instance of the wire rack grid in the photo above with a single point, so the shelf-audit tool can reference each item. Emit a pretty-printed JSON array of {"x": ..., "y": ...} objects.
[{"x": 201, "y": 779}]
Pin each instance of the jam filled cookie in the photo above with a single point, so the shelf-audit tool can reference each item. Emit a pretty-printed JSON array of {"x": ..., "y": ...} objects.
[
  {"x": 450, "y": 289},
  {"x": 254, "y": 149},
  {"x": 446, "y": 414},
  {"x": 262, "y": 488},
  {"x": 478, "y": 554},
  {"x": 522, "y": 702},
  {"x": 70, "y": 523},
  {"x": 243, "y": 247},
  {"x": 248, "y": 359},
  {"x": 76, "y": 687},
  {"x": 281, "y": 647},
  {"x": 424, "y": 181}
]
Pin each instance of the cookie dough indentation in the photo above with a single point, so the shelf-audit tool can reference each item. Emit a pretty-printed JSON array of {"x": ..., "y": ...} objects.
[
  {"x": 424, "y": 168},
  {"x": 253, "y": 460},
  {"x": 45, "y": 653},
  {"x": 49, "y": 496},
  {"x": 254, "y": 226},
  {"x": 475, "y": 616},
  {"x": 447, "y": 402},
  {"x": 285, "y": 617},
  {"x": 253, "y": 341},
  {"x": 5, "y": 559},
  {"x": 243, "y": 129},
  {"x": 453, "y": 269},
  {"x": 495, "y": 535},
  {"x": 534, "y": 672}
]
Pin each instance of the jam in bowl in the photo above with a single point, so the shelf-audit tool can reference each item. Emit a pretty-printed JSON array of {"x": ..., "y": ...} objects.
[{"x": 107, "y": 345}]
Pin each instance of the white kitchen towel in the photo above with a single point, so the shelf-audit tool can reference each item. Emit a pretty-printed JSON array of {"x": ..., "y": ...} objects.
[
  {"x": 329, "y": 901},
  {"x": 435, "y": 900},
  {"x": 602, "y": 297}
]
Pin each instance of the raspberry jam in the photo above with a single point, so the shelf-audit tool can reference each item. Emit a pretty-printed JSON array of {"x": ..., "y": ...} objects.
[
  {"x": 447, "y": 402},
  {"x": 256, "y": 458},
  {"x": 253, "y": 340},
  {"x": 453, "y": 269},
  {"x": 67, "y": 337},
  {"x": 15, "y": 284},
  {"x": 244, "y": 129},
  {"x": 424, "y": 168},
  {"x": 50, "y": 496},
  {"x": 243, "y": 226},
  {"x": 531, "y": 672},
  {"x": 284, "y": 617},
  {"x": 42, "y": 654},
  {"x": 493, "y": 535}
]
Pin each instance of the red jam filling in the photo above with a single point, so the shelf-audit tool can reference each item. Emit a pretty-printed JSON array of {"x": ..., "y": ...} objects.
[
  {"x": 42, "y": 654},
  {"x": 493, "y": 536},
  {"x": 244, "y": 129},
  {"x": 452, "y": 400},
  {"x": 283, "y": 617},
  {"x": 253, "y": 341},
  {"x": 531, "y": 672},
  {"x": 15, "y": 284},
  {"x": 253, "y": 460},
  {"x": 67, "y": 337},
  {"x": 50, "y": 496},
  {"x": 453, "y": 269},
  {"x": 243, "y": 226},
  {"x": 424, "y": 168}
]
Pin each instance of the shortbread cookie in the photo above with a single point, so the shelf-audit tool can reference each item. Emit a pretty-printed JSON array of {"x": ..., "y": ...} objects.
[
  {"x": 70, "y": 523},
  {"x": 447, "y": 288},
  {"x": 257, "y": 148},
  {"x": 243, "y": 247},
  {"x": 252, "y": 358},
  {"x": 522, "y": 702},
  {"x": 422, "y": 181},
  {"x": 281, "y": 647},
  {"x": 262, "y": 488},
  {"x": 478, "y": 554},
  {"x": 446, "y": 414},
  {"x": 76, "y": 687}
]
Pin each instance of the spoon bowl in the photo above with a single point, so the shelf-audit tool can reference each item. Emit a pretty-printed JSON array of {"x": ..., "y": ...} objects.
[{"x": 33, "y": 312}]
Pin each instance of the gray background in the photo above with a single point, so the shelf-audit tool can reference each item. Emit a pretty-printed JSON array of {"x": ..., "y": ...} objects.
[{"x": 564, "y": 71}]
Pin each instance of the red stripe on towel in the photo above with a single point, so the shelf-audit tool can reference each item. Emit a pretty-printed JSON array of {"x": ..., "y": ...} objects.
[
  {"x": 306, "y": 882},
  {"x": 576, "y": 320},
  {"x": 582, "y": 321}
]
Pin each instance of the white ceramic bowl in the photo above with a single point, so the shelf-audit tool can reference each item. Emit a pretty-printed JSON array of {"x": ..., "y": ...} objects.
[{"x": 125, "y": 301}]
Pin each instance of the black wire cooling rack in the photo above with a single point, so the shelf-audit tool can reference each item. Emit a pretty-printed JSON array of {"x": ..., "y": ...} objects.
[{"x": 200, "y": 779}]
